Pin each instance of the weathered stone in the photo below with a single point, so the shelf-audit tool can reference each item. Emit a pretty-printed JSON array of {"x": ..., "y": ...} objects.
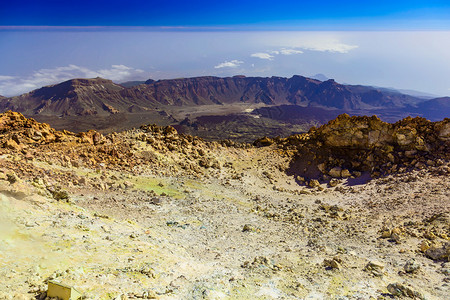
[
  {"x": 11, "y": 144},
  {"x": 386, "y": 233},
  {"x": 12, "y": 178},
  {"x": 314, "y": 183},
  {"x": 334, "y": 263},
  {"x": 149, "y": 294},
  {"x": 444, "y": 132},
  {"x": 249, "y": 228},
  {"x": 375, "y": 267},
  {"x": 439, "y": 252},
  {"x": 411, "y": 266},
  {"x": 400, "y": 290},
  {"x": 334, "y": 182},
  {"x": 345, "y": 173},
  {"x": 335, "y": 172},
  {"x": 368, "y": 144},
  {"x": 424, "y": 245}
]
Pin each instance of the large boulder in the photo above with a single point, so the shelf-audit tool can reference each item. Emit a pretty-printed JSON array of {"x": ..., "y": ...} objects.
[{"x": 355, "y": 145}]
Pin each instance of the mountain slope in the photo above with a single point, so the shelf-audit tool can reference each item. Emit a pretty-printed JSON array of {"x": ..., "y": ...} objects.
[
  {"x": 296, "y": 90},
  {"x": 438, "y": 108},
  {"x": 72, "y": 97},
  {"x": 103, "y": 97}
]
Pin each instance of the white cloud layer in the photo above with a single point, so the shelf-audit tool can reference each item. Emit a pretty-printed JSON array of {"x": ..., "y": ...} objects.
[
  {"x": 14, "y": 85},
  {"x": 271, "y": 54},
  {"x": 311, "y": 42},
  {"x": 333, "y": 47},
  {"x": 229, "y": 64},
  {"x": 317, "y": 45},
  {"x": 262, "y": 55},
  {"x": 3, "y": 78},
  {"x": 290, "y": 51}
]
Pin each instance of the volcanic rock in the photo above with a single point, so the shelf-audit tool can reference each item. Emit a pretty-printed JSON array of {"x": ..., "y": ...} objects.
[
  {"x": 100, "y": 96},
  {"x": 356, "y": 145}
]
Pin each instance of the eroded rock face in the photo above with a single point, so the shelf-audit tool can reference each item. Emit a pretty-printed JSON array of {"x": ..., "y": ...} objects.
[
  {"x": 345, "y": 131},
  {"x": 444, "y": 131},
  {"x": 370, "y": 132},
  {"x": 439, "y": 252},
  {"x": 367, "y": 144},
  {"x": 29, "y": 139},
  {"x": 19, "y": 130}
]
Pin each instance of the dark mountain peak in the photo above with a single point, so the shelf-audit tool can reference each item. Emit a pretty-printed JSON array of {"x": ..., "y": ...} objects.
[
  {"x": 298, "y": 77},
  {"x": 149, "y": 81}
]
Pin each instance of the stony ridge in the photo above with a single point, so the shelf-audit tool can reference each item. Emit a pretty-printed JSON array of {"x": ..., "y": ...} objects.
[
  {"x": 118, "y": 151},
  {"x": 345, "y": 147},
  {"x": 103, "y": 97},
  {"x": 351, "y": 146}
]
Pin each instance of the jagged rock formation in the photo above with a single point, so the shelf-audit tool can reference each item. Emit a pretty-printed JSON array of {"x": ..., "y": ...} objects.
[
  {"x": 101, "y": 96},
  {"x": 345, "y": 147},
  {"x": 31, "y": 139},
  {"x": 348, "y": 146}
]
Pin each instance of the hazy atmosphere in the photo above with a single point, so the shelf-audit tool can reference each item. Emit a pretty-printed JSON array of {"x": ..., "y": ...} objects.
[
  {"x": 408, "y": 60},
  {"x": 381, "y": 44}
]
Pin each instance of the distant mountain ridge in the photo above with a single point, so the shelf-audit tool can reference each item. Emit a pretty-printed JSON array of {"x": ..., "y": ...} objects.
[
  {"x": 100, "y": 96},
  {"x": 437, "y": 109},
  {"x": 129, "y": 84},
  {"x": 72, "y": 97}
]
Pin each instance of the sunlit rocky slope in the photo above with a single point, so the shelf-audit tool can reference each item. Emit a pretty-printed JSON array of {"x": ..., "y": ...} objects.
[{"x": 354, "y": 209}]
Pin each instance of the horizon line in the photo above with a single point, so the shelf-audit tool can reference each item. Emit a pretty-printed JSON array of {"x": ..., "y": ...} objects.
[{"x": 242, "y": 28}]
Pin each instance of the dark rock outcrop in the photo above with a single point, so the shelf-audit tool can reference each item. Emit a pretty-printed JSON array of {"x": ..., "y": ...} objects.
[{"x": 349, "y": 146}]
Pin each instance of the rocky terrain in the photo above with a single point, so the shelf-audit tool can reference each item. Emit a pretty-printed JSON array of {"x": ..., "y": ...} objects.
[
  {"x": 354, "y": 209},
  {"x": 275, "y": 104}
]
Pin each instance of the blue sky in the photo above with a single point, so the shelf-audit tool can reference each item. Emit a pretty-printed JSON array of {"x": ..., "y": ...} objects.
[
  {"x": 288, "y": 14},
  {"x": 401, "y": 44}
]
